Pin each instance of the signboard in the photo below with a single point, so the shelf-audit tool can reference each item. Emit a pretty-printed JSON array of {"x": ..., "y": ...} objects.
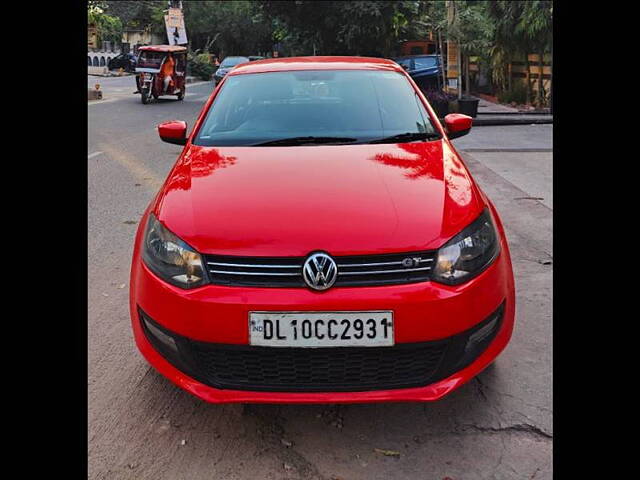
[
  {"x": 174, "y": 18},
  {"x": 452, "y": 60},
  {"x": 176, "y": 33}
]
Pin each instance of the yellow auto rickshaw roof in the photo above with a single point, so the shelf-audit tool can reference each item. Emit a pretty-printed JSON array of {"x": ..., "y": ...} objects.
[{"x": 163, "y": 48}]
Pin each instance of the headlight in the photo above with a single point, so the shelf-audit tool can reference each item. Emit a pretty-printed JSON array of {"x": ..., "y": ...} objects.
[
  {"x": 170, "y": 258},
  {"x": 468, "y": 253}
]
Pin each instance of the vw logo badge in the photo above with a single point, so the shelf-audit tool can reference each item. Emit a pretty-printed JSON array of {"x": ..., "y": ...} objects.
[{"x": 319, "y": 271}]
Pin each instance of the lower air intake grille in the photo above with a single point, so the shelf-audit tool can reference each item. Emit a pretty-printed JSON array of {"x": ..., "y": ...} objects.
[{"x": 318, "y": 369}]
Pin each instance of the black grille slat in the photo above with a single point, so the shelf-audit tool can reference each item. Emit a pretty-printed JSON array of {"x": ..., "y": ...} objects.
[
  {"x": 353, "y": 271},
  {"x": 255, "y": 271}
]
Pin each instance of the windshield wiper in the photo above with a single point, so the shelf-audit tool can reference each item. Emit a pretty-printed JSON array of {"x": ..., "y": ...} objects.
[
  {"x": 407, "y": 137},
  {"x": 304, "y": 140}
]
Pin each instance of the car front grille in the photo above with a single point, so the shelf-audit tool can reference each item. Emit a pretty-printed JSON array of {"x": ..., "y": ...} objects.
[
  {"x": 331, "y": 369},
  {"x": 353, "y": 271}
]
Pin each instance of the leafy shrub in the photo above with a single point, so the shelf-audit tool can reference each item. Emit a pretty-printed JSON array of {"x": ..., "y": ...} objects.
[
  {"x": 434, "y": 95},
  {"x": 517, "y": 94},
  {"x": 201, "y": 66},
  {"x": 439, "y": 100}
]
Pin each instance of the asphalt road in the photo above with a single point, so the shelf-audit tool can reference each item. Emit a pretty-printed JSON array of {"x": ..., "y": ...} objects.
[{"x": 498, "y": 426}]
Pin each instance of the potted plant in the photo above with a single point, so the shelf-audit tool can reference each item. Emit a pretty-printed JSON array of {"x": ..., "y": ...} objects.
[
  {"x": 468, "y": 105},
  {"x": 439, "y": 100},
  {"x": 452, "y": 100}
]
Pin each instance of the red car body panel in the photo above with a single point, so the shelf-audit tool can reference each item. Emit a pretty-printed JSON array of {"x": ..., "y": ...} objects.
[
  {"x": 342, "y": 199},
  {"x": 231, "y": 200}
]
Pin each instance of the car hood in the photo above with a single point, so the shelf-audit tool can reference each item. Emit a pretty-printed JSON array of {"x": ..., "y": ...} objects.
[{"x": 345, "y": 200}]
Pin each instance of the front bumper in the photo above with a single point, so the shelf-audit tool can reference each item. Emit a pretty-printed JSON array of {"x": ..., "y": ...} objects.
[{"x": 423, "y": 312}]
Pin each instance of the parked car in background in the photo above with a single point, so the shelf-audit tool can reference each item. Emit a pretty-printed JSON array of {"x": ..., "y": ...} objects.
[
  {"x": 126, "y": 61},
  {"x": 426, "y": 70},
  {"x": 227, "y": 64},
  {"x": 253, "y": 58}
]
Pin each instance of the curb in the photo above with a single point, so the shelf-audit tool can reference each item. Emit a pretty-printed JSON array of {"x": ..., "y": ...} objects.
[
  {"x": 109, "y": 75},
  {"x": 500, "y": 120},
  {"x": 531, "y": 112}
]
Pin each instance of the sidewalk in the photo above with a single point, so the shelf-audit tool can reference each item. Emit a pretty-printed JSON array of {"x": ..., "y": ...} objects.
[
  {"x": 491, "y": 113},
  {"x": 485, "y": 106}
]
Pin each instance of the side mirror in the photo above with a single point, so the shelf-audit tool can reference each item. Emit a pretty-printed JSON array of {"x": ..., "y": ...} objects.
[
  {"x": 173, "y": 132},
  {"x": 457, "y": 125}
]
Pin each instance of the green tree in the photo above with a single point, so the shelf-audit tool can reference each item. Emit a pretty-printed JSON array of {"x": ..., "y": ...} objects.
[
  {"x": 520, "y": 28},
  {"x": 139, "y": 14},
  {"x": 473, "y": 30},
  {"x": 108, "y": 28},
  {"x": 505, "y": 15},
  {"x": 536, "y": 28},
  {"x": 343, "y": 28},
  {"x": 234, "y": 28}
]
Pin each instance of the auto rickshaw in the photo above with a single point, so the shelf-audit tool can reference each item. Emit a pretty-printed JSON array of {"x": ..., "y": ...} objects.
[{"x": 151, "y": 71}]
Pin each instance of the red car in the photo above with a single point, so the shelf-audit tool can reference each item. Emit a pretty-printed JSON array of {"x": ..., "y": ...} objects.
[{"x": 318, "y": 240}]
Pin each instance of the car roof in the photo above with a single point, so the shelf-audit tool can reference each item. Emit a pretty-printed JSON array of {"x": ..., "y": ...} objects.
[{"x": 316, "y": 63}]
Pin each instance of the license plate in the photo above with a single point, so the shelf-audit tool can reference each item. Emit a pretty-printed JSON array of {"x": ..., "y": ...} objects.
[{"x": 321, "y": 329}]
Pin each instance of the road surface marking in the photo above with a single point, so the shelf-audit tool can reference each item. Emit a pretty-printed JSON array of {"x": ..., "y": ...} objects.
[
  {"x": 91, "y": 155},
  {"x": 128, "y": 97},
  {"x": 508, "y": 150},
  {"x": 108, "y": 100},
  {"x": 142, "y": 173},
  {"x": 196, "y": 84}
]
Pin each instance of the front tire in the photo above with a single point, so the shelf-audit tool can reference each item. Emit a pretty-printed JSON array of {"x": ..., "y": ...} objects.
[
  {"x": 181, "y": 94},
  {"x": 145, "y": 95}
]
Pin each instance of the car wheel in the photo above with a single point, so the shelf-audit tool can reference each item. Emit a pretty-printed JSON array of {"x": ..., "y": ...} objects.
[{"x": 181, "y": 94}]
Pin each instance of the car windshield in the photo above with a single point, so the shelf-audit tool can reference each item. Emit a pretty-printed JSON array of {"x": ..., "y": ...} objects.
[
  {"x": 347, "y": 106},
  {"x": 404, "y": 63},
  {"x": 233, "y": 61},
  {"x": 149, "y": 59},
  {"x": 425, "y": 62}
]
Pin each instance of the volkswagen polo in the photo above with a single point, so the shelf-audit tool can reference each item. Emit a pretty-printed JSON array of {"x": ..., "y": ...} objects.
[{"x": 319, "y": 239}]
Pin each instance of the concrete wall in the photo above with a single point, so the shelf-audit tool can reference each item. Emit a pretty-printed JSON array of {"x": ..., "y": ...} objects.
[
  {"x": 97, "y": 70},
  {"x": 100, "y": 58}
]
